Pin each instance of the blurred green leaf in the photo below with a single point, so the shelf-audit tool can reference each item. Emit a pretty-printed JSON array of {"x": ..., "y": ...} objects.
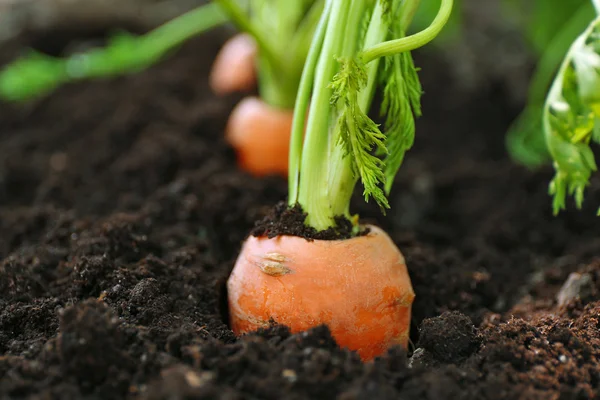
[
  {"x": 571, "y": 112},
  {"x": 548, "y": 17},
  {"x": 36, "y": 74},
  {"x": 525, "y": 138}
]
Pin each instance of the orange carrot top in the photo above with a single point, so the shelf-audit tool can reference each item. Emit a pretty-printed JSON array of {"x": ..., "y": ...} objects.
[{"x": 269, "y": 52}]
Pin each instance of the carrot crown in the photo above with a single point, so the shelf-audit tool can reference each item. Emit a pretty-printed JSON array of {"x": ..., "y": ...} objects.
[
  {"x": 282, "y": 30},
  {"x": 339, "y": 144}
]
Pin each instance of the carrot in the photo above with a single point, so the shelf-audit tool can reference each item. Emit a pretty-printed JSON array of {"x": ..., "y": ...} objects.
[
  {"x": 260, "y": 134},
  {"x": 233, "y": 69},
  {"x": 358, "y": 286},
  {"x": 270, "y": 53}
]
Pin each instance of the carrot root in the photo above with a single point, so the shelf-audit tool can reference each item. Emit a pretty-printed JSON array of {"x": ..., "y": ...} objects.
[
  {"x": 234, "y": 67},
  {"x": 359, "y": 287},
  {"x": 260, "y": 135}
]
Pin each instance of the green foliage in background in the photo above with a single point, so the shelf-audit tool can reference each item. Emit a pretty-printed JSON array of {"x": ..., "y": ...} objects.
[
  {"x": 561, "y": 116},
  {"x": 554, "y": 26},
  {"x": 549, "y": 28},
  {"x": 571, "y": 118},
  {"x": 37, "y": 74}
]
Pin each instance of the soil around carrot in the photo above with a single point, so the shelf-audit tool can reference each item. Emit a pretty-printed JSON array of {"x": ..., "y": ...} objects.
[
  {"x": 122, "y": 212},
  {"x": 285, "y": 220}
]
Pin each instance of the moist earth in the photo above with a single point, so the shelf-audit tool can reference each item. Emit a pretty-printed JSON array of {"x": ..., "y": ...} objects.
[
  {"x": 122, "y": 212},
  {"x": 291, "y": 220}
]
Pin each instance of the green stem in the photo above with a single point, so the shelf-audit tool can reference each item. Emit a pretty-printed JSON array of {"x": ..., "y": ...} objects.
[
  {"x": 282, "y": 30},
  {"x": 182, "y": 28},
  {"x": 301, "y": 106},
  {"x": 342, "y": 180},
  {"x": 313, "y": 194},
  {"x": 411, "y": 42},
  {"x": 353, "y": 26},
  {"x": 148, "y": 48},
  {"x": 322, "y": 174},
  {"x": 299, "y": 46},
  {"x": 277, "y": 87},
  {"x": 338, "y": 198}
]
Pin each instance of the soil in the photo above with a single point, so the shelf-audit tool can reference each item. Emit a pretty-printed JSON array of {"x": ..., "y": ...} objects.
[
  {"x": 122, "y": 212},
  {"x": 286, "y": 220}
]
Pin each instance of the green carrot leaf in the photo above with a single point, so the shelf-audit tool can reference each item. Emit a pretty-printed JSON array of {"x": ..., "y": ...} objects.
[
  {"x": 525, "y": 138},
  {"x": 358, "y": 134},
  {"x": 401, "y": 105},
  {"x": 571, "y": 113}
]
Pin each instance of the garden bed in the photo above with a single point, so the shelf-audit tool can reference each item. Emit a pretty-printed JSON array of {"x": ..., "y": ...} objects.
[{"x": 122, "y": 212}]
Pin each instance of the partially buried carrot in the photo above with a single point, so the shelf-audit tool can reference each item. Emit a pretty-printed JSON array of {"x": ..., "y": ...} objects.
[
  {"x": 234, "y": 68},
  {"x": 270, "y": 54},
  {"x": 359, "y": 287},
  {"x": 260, "y": 134},
  {"x": 356, "y": 284}
]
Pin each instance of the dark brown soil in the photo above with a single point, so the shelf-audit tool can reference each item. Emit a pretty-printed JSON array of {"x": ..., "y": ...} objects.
[
  {"x": 286, "y": 220},
  {"x": 122, "y": 212}
]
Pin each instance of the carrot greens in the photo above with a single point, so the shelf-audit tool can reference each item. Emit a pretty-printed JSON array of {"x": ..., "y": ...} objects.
[
  {"x": 553, "y": 27},
  {"x": 359, "y": 45},
  {"x": 571, "y": 116},
  {"x": 282, "y": 30}
]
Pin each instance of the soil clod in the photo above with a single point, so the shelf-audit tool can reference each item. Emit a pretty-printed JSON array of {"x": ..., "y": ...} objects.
[
  {"x": 449, "y": 338},
  {"x": 285, "y": 220}
]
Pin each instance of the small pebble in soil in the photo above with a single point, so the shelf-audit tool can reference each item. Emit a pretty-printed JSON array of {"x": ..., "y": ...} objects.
[
  {"x": 576, "y": 286},
  {"x": 420, "y": 358},
  {"x": 289, "y": 374},
  {"x": 562, "y": 358},
  {"x": 449, "y": 338}
]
